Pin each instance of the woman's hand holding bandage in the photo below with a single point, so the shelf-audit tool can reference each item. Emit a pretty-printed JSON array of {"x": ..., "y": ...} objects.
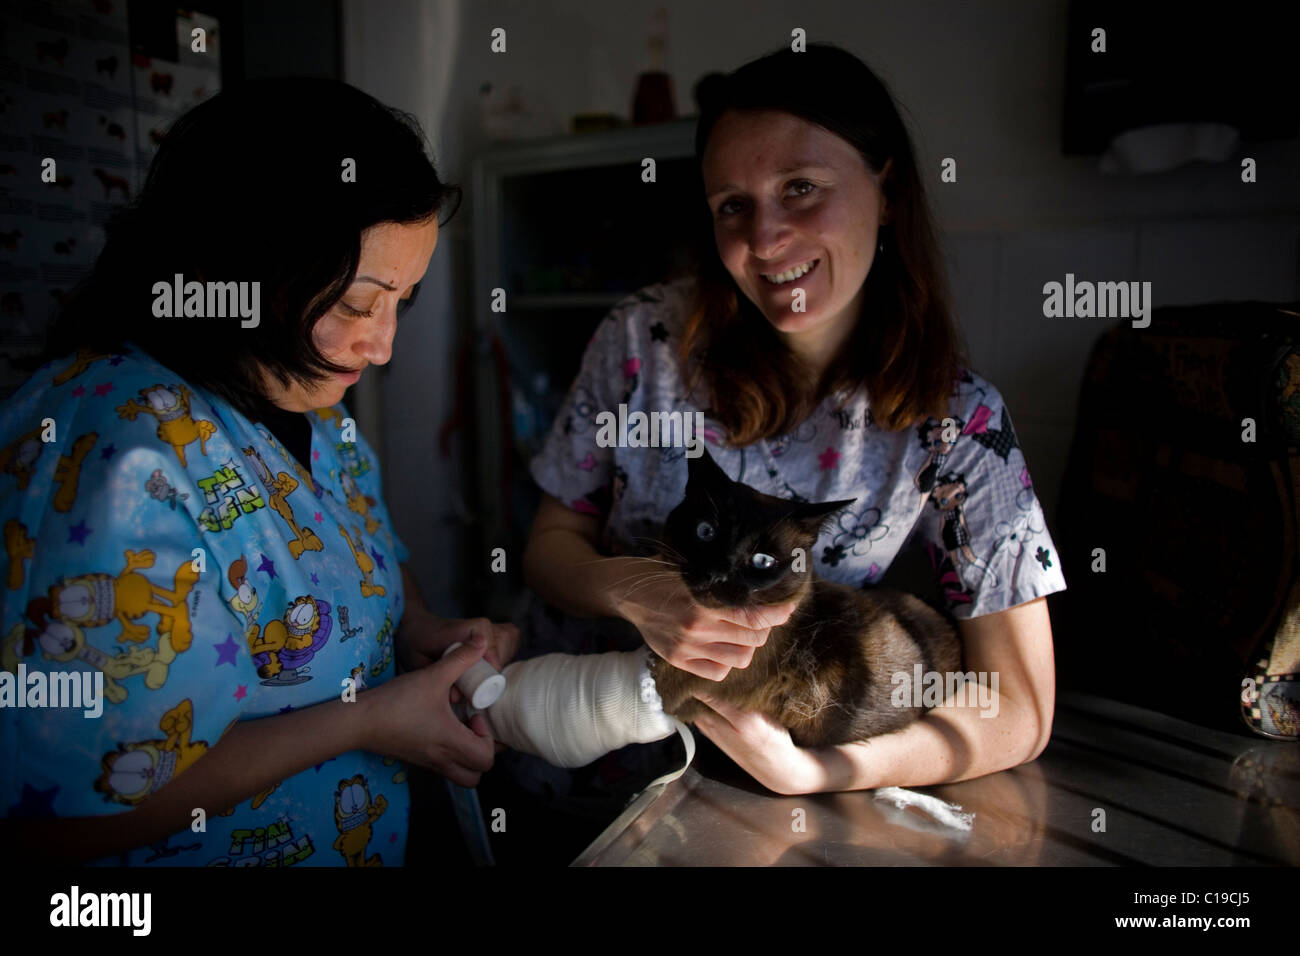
[
  {"x": 410, "y": 717},
  {"x": 424, "y": 638},
  {"x": 706, "y": 642}
]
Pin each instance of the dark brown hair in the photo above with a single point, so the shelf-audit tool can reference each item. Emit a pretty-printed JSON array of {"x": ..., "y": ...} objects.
[
  {"x": 905, "y": 349},
  {"x": 248, "y": 185}
]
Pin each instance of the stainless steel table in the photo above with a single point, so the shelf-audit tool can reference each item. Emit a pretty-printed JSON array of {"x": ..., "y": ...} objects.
[{"x": 1173, "y": 794}]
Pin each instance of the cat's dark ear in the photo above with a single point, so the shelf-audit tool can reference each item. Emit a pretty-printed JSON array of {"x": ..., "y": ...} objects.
[
  {"x": 812, "y": 515},
  {"x": 701, "y": 468}
]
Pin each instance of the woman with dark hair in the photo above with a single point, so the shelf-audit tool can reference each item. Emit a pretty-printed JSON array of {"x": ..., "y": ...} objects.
[
  {"x": 197, "y": 538},
  {"x": 819, "y": 345}
]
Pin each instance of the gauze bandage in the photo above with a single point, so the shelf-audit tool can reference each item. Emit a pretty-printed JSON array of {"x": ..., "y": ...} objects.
[
  {"x": 570, "y": 710},
  {"x": 949, "y": 814}
]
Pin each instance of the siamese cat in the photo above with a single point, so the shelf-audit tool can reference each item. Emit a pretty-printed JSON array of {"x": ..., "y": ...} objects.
[{"x": 826, "y": 673}]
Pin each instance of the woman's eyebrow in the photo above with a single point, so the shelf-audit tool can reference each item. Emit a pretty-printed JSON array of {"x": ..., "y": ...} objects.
[
  {"x": 382, "y": 285},
  {"x": 796, "y": 167},
  {"x": 801, "y": 166}
]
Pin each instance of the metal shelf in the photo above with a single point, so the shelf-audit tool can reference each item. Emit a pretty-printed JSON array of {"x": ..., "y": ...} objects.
[{"x": 508, "y": 167}]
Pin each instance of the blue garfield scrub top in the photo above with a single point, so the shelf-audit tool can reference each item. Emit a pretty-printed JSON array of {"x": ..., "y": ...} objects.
[{"x": 297, "y": 588}]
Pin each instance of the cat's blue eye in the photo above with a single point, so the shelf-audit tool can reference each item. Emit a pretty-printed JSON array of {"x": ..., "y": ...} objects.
[
  {"x": 764, "y": 562},
  {"x": 705, "y": 531}
]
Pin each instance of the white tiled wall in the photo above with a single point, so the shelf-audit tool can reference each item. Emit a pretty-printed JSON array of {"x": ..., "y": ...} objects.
[{"x": 1038, "y": 363}]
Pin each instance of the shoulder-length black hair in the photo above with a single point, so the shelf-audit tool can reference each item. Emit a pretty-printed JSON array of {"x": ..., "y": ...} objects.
[
  {"x": 250, "y": 186},
  {"x": 905, "y": 349}
]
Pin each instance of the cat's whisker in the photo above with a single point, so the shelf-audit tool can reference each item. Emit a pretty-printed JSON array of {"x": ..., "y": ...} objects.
[
  {"x": 645, "y": 580},
  {"x": 657, "y": 575},
  {"x": 664, "y": 550}
]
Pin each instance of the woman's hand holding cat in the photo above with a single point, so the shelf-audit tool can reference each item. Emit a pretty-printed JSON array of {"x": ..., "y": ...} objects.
[
  {"x": 761, "y": 747},
  {"x": 706, "y": 642}
]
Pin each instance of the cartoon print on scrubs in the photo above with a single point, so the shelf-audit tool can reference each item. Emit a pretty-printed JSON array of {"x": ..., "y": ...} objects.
[
  {"x": 948, "y": 496},
  {"x": 938, "y": 439},
  {"x": 400, "y": 775},
  {"x": 170, "y": 406},
  {"x": 95, "y": 599},
  {"x": 630, "y": 369},
  {"x": 281, "y": 486},
  {"x": 803, "y": 434},
  {"x": 354, "y": 463},
  {"x": 245, "y": 600},
  {"x": 945, "y": 575},
  {"x": 18, "y": 547},
  {"x": 366, "y": 566},
  {"x": 241, "y": 637},
  {"x": 80, "y": 363},
  {"x": 583, "y": 415},
  {"x": 20, "y": 456},
  {"x": 232, "y": 496},
  {"x": 359, "y": 503},
  {"x": 329, "y": 416},
  {"x": 162, "y": 849},
  {"x": 274, "y": 843},
  {"x": 855, "y": 533},
  {"x": 1022, "y": 528},
  {"x": 160, "y": 489},
  {"x": 385, "y": 639},
  {"x": 1001, "y": 441},
  {"x": 64, "y": 642},
  {"x": 354, "y": 813},
  {"x": 67, "y": 473},
  {"x": 134, "y": 771},
  {"x": 787, "y": 491},
  {"x": 346, "y": 630},
  {"x": 287, "y": 645}
]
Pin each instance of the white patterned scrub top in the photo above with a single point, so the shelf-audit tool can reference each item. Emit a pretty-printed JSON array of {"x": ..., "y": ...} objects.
[
  {"x": 959, "y": 491},
  {"x": 170, "y": 548}
]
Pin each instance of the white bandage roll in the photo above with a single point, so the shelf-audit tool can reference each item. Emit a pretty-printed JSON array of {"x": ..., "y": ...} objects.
[
  {"x": 482, "y": 684},
  {"x": 570, "y": 710}
]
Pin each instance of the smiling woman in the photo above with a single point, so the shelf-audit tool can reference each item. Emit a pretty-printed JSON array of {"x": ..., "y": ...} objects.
[
  {"x": 816, "y": 340},
  {"x": 808, "y": 166}
]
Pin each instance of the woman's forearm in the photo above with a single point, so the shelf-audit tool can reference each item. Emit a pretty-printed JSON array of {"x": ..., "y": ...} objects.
[
  {"x": 950, "y": 743},
  {"x": 567, "y": 571},
  {"x": 249, "y": 758}
]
